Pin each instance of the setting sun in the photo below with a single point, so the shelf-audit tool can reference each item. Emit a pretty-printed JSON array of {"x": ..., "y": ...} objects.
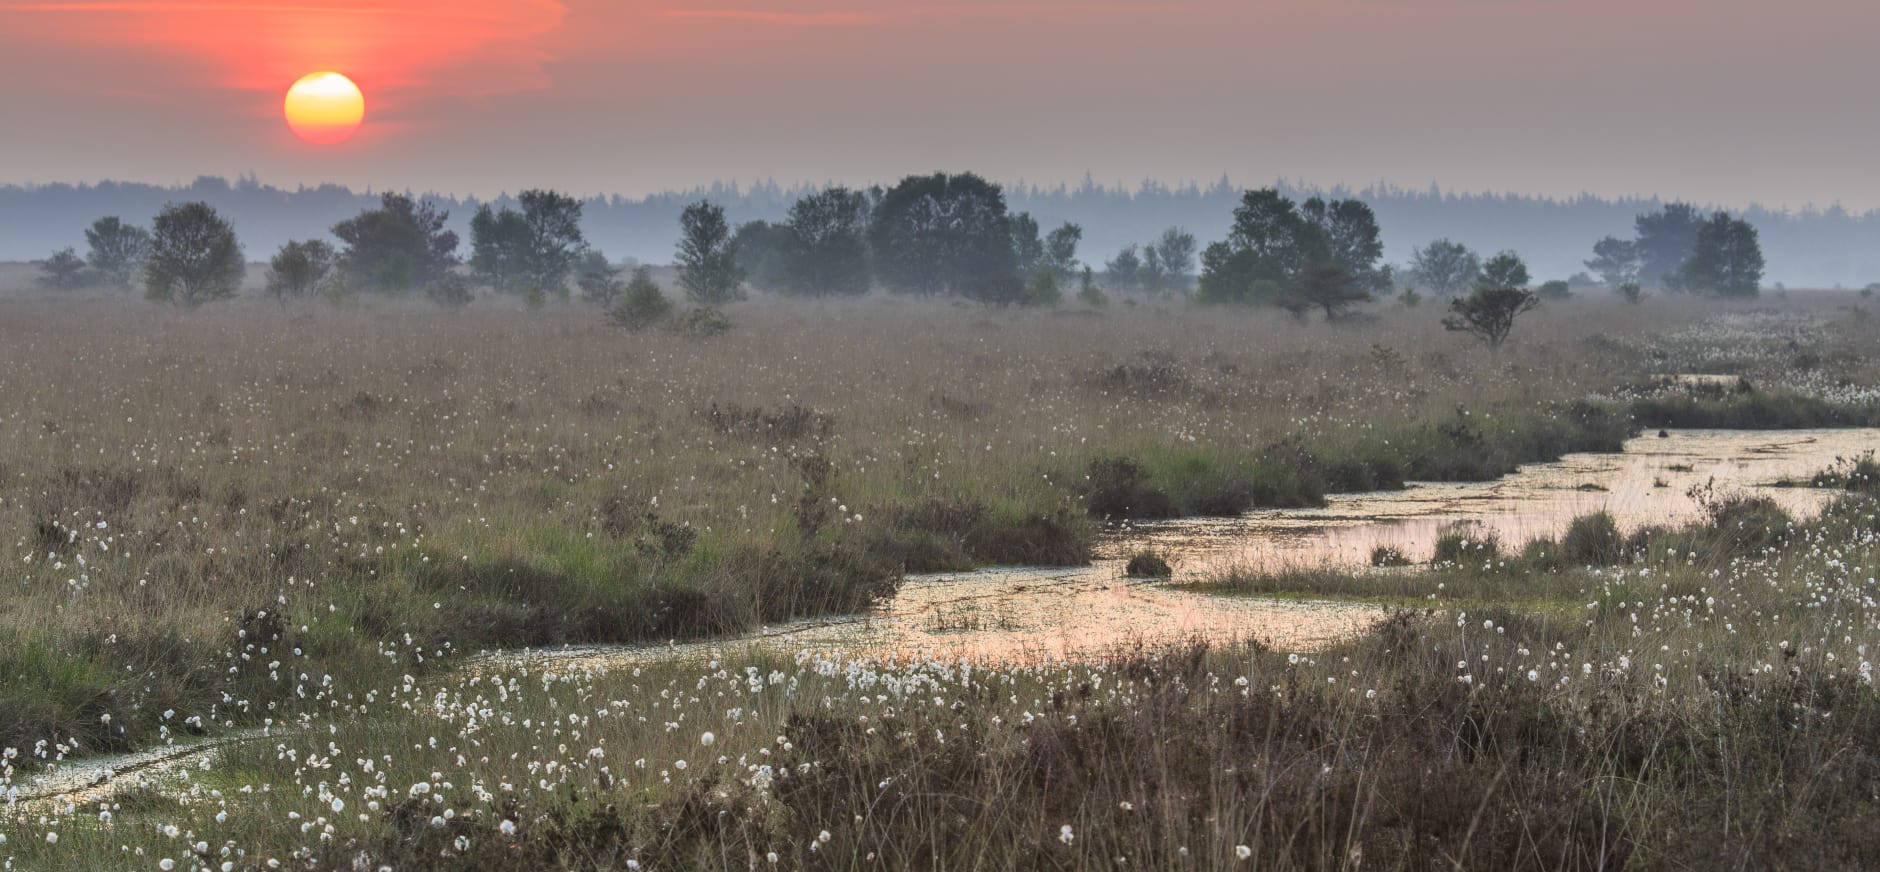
[{"x": 324, "y": 108}]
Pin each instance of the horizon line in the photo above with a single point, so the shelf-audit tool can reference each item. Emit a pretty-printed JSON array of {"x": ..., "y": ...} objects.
[{"x": 737, "y": 187}]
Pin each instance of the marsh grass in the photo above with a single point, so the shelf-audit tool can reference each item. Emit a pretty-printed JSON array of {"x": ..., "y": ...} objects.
[
  {"x": 1715, "y": 715},
  {"x": 240, "y": 517}
]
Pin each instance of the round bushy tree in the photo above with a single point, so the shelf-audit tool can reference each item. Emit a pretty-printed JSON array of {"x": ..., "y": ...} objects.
[{"x": 194, "y": 256}]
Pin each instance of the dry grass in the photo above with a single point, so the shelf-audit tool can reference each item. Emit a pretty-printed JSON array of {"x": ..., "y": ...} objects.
[{"x": 279, "y": 514}]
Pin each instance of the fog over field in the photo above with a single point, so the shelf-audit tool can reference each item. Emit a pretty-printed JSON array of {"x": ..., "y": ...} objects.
[
  {"x": 1806, "y": 248},
  {"x": 597, "y": 436}
]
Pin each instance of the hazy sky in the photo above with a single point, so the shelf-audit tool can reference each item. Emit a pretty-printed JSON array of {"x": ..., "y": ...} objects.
[{"x": 1723, "y": 101}]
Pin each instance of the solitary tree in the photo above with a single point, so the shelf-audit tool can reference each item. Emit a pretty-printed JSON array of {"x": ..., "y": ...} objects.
[
  {"x": 1349, "y": 238},
  {"x": 1268, "y": 245},
  {"x": 1125, "y": 269},
  {"x": 1445, "y": 267},
  {"x": 63, "y": 271},
  {"x": 1176, "y": 249},
  {"x": 1027, "y": 243},
  {"x": 599, "y": 280},
  {"x": 946, "y": 234},
  {"x": 1089, "y": 293},
  {"x": 498, "y": 242},
  {"x": 532, "y": 250},
  {"x": 708, "y": 260},
  {"x": 641, "y": 305},
  {"x": 194, "y": 256},
  {"x": 400, "y": 247},
  {"x": 825, "y": 247},
  {"x": 1490, "y": 313},
  {"x": 556, "y": 243},
  {"x": 117, "y": 249},
  {"x": 1060, "y": 249},
  {"x": 1504, "y": 270},
  {"x": 1326, "y": 286},
  {"x": 1727, "y": 259},
  {"x": 1615, "y": 260},
  {"x": 1152, "y": 277},
  {"x": 761, "y": 246},
  {"x": 300, "y": 270}
]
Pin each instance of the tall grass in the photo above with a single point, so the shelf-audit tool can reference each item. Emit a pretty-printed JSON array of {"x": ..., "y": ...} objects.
[{"x": 380, "y": 489}]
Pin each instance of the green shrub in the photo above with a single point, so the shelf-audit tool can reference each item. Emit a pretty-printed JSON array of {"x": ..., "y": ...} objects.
[
  {"x": 703, "y": 322},
  {"x": 642, "y": 304},
  {"x": 1860, "y": 475},
  {"x": 1747, "y": 525},
  {"x": 1593, "y": 540},
  {"x": 1542, "y": 554},
  {"x": 1465, "y": 545}
]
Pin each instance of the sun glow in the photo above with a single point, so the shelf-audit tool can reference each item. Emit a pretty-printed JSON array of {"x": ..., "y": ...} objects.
[{"x": 324, "y": 108}]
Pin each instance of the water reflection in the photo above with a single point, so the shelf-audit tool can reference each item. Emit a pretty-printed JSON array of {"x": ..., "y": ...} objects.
[{"x": 1649, "y": 484}]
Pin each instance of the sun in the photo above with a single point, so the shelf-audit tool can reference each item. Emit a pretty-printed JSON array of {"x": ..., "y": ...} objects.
[{"x": 324, "y": 108}]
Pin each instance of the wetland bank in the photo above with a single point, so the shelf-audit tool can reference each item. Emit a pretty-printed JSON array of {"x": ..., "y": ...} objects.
[{"x": 311, "y": 523}]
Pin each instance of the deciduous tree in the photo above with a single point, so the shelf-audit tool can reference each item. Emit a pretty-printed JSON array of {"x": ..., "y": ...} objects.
[
  {"x": 117, "y": 249},
  {"x": 1446, "y": 268},
  {"x": 63, "y": 270},
  {"x": 1615, "y": 260},
  {"x": 1504, "y": 270},
  {"x": 1489, "y": 313},
  {"x": 399, "y": 248},
  {"x": 1726, "y": 260},
  {"x": 300, "y": 270},
  {"x": 707, "y": 258},
  {"x": 194, "y": 256},
  {"x": 825, "y": 252},
  {"x": 946, "y": 234}
]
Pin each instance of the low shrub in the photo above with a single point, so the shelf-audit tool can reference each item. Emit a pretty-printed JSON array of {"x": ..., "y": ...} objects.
[
  {"x": 1593, "y": 540},
  {"x": 1465, "y": 544},
  {"x": 1860, "y": 475},
  {"x": 1148, "y": 563}
]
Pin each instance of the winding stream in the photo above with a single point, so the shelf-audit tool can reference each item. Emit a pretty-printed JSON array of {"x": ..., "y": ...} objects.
[{"x": 1023, "y": 615}]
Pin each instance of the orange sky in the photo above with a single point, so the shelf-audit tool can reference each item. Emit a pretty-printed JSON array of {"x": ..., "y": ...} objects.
[{"x": 1719, "y": 100}]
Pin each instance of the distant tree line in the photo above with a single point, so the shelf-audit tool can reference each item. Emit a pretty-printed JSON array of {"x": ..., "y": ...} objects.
[
  {"x": 1807, "y": 248},
  {"x": 938, "y": 235}
]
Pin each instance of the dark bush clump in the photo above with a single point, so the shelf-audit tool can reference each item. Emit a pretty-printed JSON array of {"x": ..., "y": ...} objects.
[
  {"x": 1461, "y": 544},
  {"x": 1593, "y": 540},
  {"x": 1148, "y": 563},
  {"x": 1119, "y": 488},
  {"x": 1389, "y": 555}
]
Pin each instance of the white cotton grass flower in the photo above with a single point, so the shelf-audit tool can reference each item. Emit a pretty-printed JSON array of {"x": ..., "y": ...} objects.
[
  {"x": 1066, "y": 835},
  {"x": 707, "y": 739},
  {"x": 1243, "y": 852},
  {"x": 507, "y": 828}
]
